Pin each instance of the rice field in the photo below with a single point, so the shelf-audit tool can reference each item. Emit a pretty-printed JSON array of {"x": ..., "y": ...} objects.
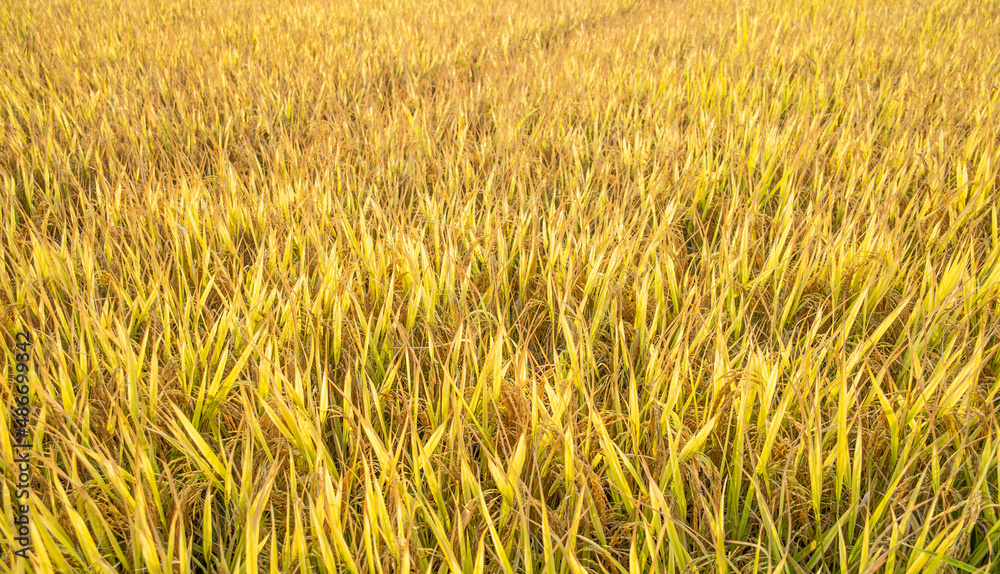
[{"x": 540, "y": 287}]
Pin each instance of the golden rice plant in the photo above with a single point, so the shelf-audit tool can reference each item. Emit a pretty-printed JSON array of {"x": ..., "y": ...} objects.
[{"x": 536, "y": 287}]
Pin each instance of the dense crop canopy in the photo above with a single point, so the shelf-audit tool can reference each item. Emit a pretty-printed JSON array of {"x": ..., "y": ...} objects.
[{"x": 504, "y": 286}]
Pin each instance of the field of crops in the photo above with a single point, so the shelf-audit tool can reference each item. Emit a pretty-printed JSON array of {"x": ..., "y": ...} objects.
[{"x": 546, "y": 286}]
